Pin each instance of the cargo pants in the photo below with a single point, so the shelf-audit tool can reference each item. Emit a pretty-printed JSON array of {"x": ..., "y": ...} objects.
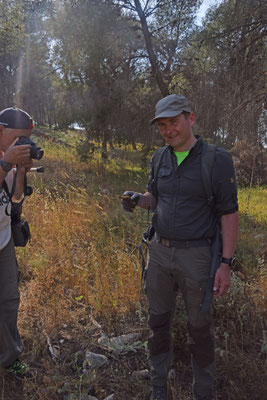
[
  {"x": 171, "y": 269},
  {"x": 10, "y": 342}
]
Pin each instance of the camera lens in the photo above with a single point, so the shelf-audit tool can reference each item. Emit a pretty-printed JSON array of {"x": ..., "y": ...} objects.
[{"x": 36, "y": 152}]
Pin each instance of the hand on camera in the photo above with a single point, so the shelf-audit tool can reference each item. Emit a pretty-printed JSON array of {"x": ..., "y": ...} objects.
[
  {"x": 129, "y": 200},
  {"x": 25, "y": 165},
  {"x": 17, "y": 154}
]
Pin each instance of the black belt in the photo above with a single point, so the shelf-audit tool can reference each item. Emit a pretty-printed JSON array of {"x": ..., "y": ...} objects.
[{"x": 183, "y": 244}]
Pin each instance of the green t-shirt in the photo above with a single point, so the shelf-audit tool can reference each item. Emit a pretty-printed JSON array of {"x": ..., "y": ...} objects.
[{"x": 181, "y": 155}]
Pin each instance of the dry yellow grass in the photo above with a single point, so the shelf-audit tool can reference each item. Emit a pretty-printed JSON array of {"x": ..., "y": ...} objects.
[
  {"x": 74, "y": 256},
  {"x": 81, "y": 278}
]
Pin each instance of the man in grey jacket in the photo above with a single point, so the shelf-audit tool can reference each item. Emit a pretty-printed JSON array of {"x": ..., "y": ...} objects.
[{"x": 180, "y": 253}]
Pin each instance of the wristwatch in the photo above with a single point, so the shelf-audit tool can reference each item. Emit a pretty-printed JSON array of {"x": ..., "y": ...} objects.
[
  {"x": 6, "y": 166},
  {"x": 228, "y": 261}
]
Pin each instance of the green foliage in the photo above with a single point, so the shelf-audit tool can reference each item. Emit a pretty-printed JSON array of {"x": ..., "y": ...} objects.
[
  {"x": 104, "y": 64},
  {"x": 96, "y": 74},
  {"x": 12, "y": 45},
  {"x": 252, "y": 203},
  {"x": 85, "y": 150},
  {"x": 226, "y": 73}
]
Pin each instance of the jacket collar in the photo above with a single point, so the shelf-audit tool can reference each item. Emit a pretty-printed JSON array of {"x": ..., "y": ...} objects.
[{"x": 196, "y": 148}]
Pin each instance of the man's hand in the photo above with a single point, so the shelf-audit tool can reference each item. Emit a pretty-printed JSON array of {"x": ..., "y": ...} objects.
[
  {"x": 222, "y": 280},
  {"x": 129, "y": 200},
  {"x": 25, "y": 166},
  {"x": 17, "y": 154}
]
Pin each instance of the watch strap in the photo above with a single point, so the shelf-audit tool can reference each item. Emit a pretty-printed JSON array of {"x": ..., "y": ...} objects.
[
  {"x": 6, "y": 166},
  {"x": 228, "y": 261}
]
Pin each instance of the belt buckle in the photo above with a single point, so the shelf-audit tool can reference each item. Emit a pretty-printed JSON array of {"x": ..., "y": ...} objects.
[{"x": 165, "y": 242}]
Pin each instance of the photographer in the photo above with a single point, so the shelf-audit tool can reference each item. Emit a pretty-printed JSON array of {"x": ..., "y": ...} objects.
[{"x": 14, "y": 123}]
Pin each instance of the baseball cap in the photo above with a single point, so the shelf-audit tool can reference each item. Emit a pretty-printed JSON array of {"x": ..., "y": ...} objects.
[
  {"x": 170, "y": 106},
  {"x": 15, "y": 118}
]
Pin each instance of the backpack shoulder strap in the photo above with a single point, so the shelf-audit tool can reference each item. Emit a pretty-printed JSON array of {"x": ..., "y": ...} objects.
[
  {"x": 207, "y": 163},
  {"x": 157, "y": 158}
]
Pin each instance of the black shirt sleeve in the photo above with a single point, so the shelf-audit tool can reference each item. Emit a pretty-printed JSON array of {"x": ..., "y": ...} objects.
[{"x": 224, "y": 183}]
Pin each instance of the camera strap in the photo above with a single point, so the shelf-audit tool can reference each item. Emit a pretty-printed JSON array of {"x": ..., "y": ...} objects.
[
  {"x": 26, "y": 191},
  {"x": 147, "y": 236}
]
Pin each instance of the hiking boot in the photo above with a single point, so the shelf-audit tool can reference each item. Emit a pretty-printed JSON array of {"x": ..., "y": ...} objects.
[
  {"x": 159, "y": 393},
  {"x": 20, "y": 370}
]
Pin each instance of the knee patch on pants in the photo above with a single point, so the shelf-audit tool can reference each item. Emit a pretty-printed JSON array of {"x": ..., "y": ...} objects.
[
  {"x": 159, "y": 340},
  {"x": 201, "y": 345}
]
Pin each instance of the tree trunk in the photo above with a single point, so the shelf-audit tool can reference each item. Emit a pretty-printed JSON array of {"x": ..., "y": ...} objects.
[
  {"x": 163, "y": 87},
  {"x": 104, "y": 150}
]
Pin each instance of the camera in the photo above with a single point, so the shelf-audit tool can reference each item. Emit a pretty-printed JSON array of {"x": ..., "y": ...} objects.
[{"x": 35, "y": 152}]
